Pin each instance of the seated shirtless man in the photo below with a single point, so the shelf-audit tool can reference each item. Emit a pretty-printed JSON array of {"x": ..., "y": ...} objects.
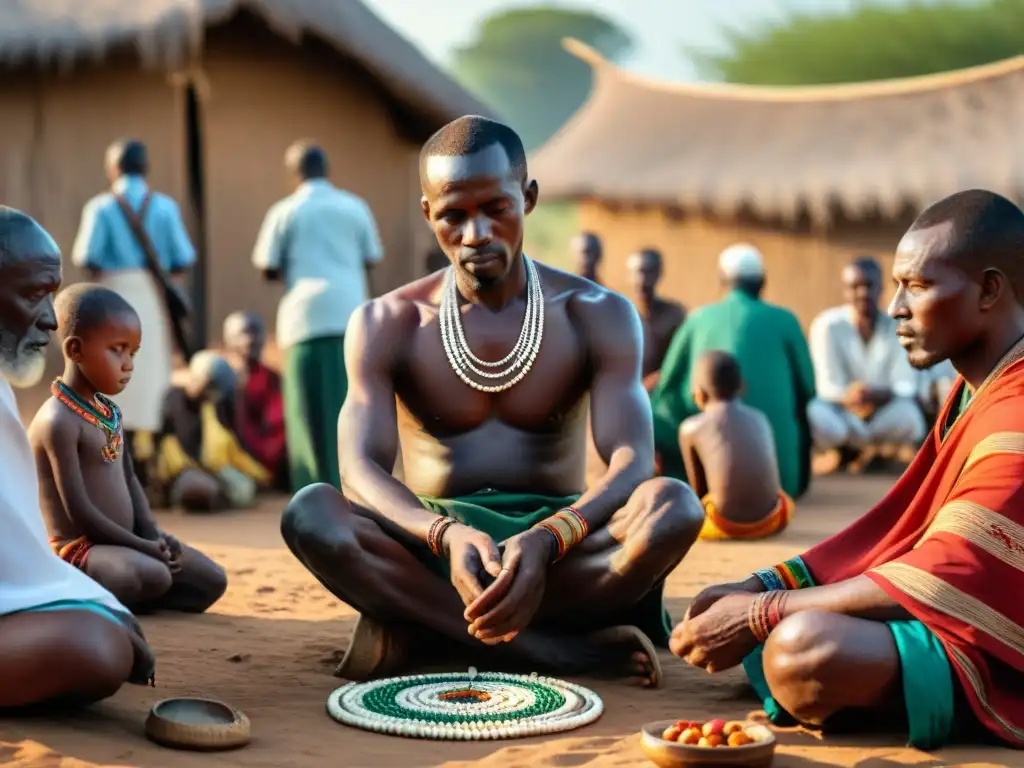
[
  {"x": 485, "y": 542},
  {"x": 729, "y": 453},
  {"x": 95, "y": 509}
]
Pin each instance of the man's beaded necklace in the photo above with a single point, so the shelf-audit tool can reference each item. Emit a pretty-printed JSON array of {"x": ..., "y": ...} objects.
[
  {"x": 102, "y": 414},
  {"x": 517, "y": 363}
]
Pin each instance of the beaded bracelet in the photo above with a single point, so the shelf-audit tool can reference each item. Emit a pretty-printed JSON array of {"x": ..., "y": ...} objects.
[
  {"x": 436, "y": 532},
  {"x": 765, "y": 614},
  {"x": 568, "y": 527},
  {"x": 792, "y": 574}
]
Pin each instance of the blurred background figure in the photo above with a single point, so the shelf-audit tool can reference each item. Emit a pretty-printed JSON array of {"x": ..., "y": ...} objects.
[
  {"x": 259, "y": 406},
  {"x": 586, "y": 252},
  {"x": 321, "y": 241},
  {"x": 200, "y": 464},
  {"x": 661, "y": 317},
  {"x": 867, "y": 390},
  {"x": 115, "y": 254},
  {"x": 771, "y": 350}
]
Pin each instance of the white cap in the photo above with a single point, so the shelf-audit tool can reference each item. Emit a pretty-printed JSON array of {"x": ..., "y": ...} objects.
[{"x": 741, "y": 260}]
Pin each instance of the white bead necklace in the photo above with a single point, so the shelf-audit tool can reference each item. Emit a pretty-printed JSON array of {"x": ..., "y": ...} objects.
[{"x": 517, "y": 362}]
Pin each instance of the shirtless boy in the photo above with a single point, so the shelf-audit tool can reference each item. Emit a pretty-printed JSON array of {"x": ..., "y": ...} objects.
[
  {"x": 94, "y": 506},
  {"x": 729, "y": 452},
  {"x": 485, "y": 541}
]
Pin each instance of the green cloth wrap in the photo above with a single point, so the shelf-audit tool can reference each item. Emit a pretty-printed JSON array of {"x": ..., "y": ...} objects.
[
  {"x": 314, "y": 386},
  {"x": 503, "y": 515},
  {"x": 928, "y": 692}
]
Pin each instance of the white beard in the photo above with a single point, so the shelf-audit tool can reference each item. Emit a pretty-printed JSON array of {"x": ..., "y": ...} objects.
[{"x": 25, "y": 370}]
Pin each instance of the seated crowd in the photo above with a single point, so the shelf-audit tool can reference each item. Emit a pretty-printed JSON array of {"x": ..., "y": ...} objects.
[{"x": 493, "y": 544}]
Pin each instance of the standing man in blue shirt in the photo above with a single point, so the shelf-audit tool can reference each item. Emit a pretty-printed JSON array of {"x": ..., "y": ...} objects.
[
  {"x": 321, "y": 241},
  {"x": 107, "y": 247}
]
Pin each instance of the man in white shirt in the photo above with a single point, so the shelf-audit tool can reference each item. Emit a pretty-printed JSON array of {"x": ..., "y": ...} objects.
[
  {"x": 867, "y": 390},
  {"x": 64, "y": 639},
  {"x": 320, "y": 241},
  {"x": 108, "y": 248}
]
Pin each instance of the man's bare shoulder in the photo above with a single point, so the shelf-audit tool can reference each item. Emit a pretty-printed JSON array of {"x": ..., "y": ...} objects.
[
  {"x": 53, "y": 423},
  {"x": 598, "y": 308},
  {"x": 401, "y": 307}
]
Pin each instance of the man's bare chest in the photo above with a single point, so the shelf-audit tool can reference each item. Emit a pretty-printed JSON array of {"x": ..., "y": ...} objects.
[{"x": 433, "y": 394}]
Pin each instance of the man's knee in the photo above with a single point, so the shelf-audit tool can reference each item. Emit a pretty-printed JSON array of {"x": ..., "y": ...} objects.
[
  {"x": 97, "y": 657},
  {"x": 795, "y": 657},
  {"x": 318, "y": 522},
  {"x": 828, "y": 427},
  {"x": 899, "y": 421},
  {"x": 673, "y": 511}
]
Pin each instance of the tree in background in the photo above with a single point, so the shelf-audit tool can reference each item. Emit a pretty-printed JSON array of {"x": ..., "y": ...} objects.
[
  {"x": 518, "y": 67},
  {"x": 871, "y": 42}
]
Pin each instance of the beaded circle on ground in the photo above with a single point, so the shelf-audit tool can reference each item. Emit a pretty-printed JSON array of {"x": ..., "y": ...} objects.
[{"x": 465, "y": 706}]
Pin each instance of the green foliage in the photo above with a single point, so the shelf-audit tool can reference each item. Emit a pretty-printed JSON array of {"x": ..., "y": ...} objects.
[
  {"x": 871, "y": 42},
  {"x": 518, "y": 67}
]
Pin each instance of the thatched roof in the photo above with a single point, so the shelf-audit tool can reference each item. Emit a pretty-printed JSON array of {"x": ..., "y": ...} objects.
[
  {"x": 871, "y": 148},
  {"x": 167, "y": 33}
]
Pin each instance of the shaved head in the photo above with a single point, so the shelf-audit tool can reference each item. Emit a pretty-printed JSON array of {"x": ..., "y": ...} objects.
[
  {"x": 717, "y": 374},
  {"x": 959, "y": 272},
  {"x": 472, "y": 135},
  {"x": 30, "y": 274},
  {"x": 306, "y": 160},
  {"x": 83, "y": 307},
  {"x": 977, "y": 230}
]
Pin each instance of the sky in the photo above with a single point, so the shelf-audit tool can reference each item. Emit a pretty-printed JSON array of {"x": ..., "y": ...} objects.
[{"x": 661, "y": 28}]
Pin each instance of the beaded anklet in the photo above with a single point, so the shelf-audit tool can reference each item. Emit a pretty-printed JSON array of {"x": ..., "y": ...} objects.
[
  {"x": 436, "y": 532},
  {"x": 568, "y": 527},
  {"x": 792, "y": 574},
  {"x": 765, "y": 613}
]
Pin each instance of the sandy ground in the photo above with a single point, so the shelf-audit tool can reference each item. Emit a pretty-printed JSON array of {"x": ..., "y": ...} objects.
[{"x": 270, "y": 645}]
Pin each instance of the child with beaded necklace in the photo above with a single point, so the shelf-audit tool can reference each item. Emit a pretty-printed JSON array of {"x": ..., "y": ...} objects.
[{"x": 95, "y": 509}]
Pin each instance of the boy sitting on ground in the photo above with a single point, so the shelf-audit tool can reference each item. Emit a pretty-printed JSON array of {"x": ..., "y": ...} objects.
[
  {"x": 729, "y": 452},
  {"x": 95, "y": 509}
]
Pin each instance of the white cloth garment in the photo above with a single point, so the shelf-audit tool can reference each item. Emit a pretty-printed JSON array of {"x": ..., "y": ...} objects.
[
  {"x": 31, "y": 575},
  {"x": 321, "y": 238},
  {"x": 841, "y": 357},
  {"x": 142, "y": 401},
  {"x": 898, "y": 422}
]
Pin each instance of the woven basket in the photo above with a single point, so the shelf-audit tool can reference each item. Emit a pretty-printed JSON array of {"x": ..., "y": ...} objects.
[{"x": 198, "y": 724}]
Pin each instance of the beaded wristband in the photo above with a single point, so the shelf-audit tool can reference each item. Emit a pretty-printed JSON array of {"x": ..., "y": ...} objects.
[
  {"x": 568, "y": 527},
  {"x": 436, "y": 532},
  {"x": 792, "y": 574}
]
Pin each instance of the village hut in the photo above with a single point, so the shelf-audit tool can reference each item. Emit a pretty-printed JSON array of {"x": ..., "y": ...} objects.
[
  {"x": 812, "y": 175},
  {"x": 218, "y": 89}
]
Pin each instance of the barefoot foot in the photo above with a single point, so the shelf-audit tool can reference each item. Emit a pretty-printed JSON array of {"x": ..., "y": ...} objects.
[{"x": 628, "y": 652}]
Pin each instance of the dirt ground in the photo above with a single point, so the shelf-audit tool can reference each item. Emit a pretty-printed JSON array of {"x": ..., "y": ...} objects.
[{"x": 268, "y": 648}]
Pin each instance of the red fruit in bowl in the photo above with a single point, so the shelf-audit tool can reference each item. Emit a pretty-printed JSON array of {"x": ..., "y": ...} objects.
[{"x": 713, "y": 727}]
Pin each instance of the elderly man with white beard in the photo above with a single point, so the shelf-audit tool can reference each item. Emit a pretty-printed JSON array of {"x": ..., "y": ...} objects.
[{"x": 64, "y": 639}]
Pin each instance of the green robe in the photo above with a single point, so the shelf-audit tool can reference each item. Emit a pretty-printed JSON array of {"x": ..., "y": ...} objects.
[{"x": 778, "y": 376}]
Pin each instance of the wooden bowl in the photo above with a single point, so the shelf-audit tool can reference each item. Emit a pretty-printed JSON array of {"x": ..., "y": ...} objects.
[
  {"x": 670, "y": 754},
  {"x": 199, "y": 724}
]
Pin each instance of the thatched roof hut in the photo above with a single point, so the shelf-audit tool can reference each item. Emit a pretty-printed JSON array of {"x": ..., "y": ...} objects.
[
  {"x": 218, "y": 89},
  {"x": 811, "y": 174}
]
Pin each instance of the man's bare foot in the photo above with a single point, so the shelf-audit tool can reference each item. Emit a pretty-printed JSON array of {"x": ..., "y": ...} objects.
[
  {"x": 859, "y": 465},
  {"x": 613, "y": 653},
  {"x": 628, "y": 650},
  {"x": 374, "y": 650},
  {"x": 826, "y": 463}
]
